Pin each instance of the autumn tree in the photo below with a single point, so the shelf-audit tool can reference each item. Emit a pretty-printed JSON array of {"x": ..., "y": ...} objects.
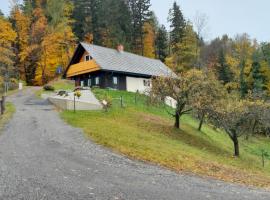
[
  {"x": 57, "y": 42},
  {"x": 205, "y": 96},
  {"x": 180, "y": 89},
  {"x": 149, "y": 41},
  {"x": 231, "y": 115},
  {"x": 185, "y": 55},
  {"x": 7, "y": 37}
]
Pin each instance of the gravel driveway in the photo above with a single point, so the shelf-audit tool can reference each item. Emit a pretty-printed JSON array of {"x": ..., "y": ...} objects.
[{"x": 41, "y": 157}]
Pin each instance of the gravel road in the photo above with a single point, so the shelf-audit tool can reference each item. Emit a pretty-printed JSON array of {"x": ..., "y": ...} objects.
[{"x": 41, "y": 157}]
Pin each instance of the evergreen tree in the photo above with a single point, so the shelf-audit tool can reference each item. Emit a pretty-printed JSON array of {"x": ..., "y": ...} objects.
[
  {"x": 223, "y": 70},
  {"x": 162, "y": 43},
  {"x": 1, "y": 13},
  {"x": 178, "y": 23},
  {"x": 257, "y": 77},
  {"x": 140, "y": 14},
  {"x": 243, "y": 83}
]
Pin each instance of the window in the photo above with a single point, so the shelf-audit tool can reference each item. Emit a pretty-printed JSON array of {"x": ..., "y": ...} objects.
[
  {"x": 115, "y": 80},
  {"x": 88, "y": 57},
  {"x": 147, "y": 83},
  {"x": 82, "y": 83},
  {"x": 89, "y": 82},
  {"x": 97, "y": 80}
]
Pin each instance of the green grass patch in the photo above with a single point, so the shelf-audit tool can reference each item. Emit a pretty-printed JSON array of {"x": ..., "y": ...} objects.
[
  {"x": 59, "y": 84},
  {"x": 10, "y": 110},
  {"x": 146, "y": 132}
]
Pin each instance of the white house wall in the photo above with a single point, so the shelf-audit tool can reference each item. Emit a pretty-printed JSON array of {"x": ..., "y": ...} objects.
[{"x": 137, "y": 84}]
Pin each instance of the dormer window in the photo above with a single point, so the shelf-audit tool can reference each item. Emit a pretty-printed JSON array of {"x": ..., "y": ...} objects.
[{"x": 88, "y": 58}]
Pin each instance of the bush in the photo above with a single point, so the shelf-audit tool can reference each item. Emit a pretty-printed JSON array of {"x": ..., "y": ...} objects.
[{"x": 48, "y": 88}]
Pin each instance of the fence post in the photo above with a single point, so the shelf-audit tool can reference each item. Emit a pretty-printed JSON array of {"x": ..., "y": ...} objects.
[
  {"x": 3, "y": 105},
  {"x": 74, "y": 103},
  {"x": 121, "y": 100}
]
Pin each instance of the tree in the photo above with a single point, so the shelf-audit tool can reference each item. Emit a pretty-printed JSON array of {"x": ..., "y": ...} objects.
[
  {"x": 140, "y": 14},
  {"x": 7, "y": 37},
  {"x": 21, "y": 24},
  {"x": 162, "y": 43},
  {"x": 184, "y": 58},
  {"x": 179, "y": 89},
  {"x": 177, "y": 24},
  {"x": 205, "y": 96},
  {"x": 223, "y": 70},
  {"x": 243, "y": 83},
  {"x": 231, "y": 115},
  {"x": 200, "y": 24},
  {"x": 149, "y": 41}
]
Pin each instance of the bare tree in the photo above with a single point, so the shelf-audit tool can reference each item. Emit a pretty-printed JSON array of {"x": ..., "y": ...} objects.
[{"x": 200, "y": 22}]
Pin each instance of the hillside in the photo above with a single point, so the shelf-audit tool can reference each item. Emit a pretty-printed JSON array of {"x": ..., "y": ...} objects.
[{"x": 146, "y": 132}]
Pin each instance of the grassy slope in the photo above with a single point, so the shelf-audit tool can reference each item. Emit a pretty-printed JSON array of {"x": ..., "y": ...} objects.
[
  {"x": 147, "y": 133},
  {"x": 10, "y": 109},
  {"x": 58, "y": 85}
]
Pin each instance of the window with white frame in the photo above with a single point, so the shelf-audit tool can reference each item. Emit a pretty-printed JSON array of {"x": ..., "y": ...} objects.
[
  {"x": 89, "y": 82},
  {"x": 115, "y": 80},
  {"x": 97, "y": 80},
  {"x": 147, "y": 83}
]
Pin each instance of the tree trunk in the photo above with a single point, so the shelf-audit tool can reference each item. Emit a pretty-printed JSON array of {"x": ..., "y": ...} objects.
[
  {"x": 201, "y": 122},
  {"x": 177, "y": 120},
  {"x": 236, "y": 145}
]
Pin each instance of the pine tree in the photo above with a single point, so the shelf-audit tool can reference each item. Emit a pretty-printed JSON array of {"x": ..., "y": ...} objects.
[
  {"x": 223, "y": 70},
  {"x": 184, "y": 58},
  {"x": 140, "y": 14},
  {"x": 177, "y": 22},
  {"x": 243, "y": 83},
  {"x": 257, "y": 77},
  {"x": 162, "y": 43}
]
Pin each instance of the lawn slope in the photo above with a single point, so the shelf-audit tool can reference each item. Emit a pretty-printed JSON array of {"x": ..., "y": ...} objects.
[{"x": 146, "y": 132}]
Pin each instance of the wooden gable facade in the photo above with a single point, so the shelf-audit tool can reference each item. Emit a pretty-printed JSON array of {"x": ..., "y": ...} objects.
[{"x": 86, "y": 72}]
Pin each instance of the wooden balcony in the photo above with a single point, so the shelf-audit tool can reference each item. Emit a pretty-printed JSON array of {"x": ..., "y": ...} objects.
[{"x": 82, "y": 68}]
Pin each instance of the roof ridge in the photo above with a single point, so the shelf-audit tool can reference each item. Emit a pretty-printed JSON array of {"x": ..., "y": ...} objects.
[{"x": 126, "y": 52}]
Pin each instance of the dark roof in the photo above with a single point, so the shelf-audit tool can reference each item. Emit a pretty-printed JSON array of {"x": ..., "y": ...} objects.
[{"x": 113, "y": 60}]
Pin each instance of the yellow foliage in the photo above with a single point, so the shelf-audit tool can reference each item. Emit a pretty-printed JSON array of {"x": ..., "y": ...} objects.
[
  {"x": 149, "y": 41},
  {"x": 7, "y": 37}
]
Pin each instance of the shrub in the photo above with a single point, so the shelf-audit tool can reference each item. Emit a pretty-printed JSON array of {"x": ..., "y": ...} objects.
[
  {"x": 48, "y": 88},
  {"x": 62, "y": 93}
]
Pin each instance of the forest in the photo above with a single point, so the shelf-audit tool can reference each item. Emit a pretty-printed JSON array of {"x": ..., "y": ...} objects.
[{"x": 226, "y": 80}]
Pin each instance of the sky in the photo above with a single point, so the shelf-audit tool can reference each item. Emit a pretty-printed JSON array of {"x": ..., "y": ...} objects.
[{"x": 224, "y": 16}]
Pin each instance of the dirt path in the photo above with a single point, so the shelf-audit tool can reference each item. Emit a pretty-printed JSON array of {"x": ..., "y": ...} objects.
[{"x": 43, "y": 158}]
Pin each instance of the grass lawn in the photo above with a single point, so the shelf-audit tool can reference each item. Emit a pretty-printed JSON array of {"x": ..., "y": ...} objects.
[
  {"x": 58, "y": 85},
  {"x": 146, "y": 133},
  {"x": 10, "y": 109}
]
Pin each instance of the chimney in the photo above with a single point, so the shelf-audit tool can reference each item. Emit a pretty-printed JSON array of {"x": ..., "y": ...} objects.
[{"x": 120, "y": 48}]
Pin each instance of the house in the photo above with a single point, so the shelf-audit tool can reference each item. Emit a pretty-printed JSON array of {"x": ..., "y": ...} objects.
[{"x": 93, "y": 65}]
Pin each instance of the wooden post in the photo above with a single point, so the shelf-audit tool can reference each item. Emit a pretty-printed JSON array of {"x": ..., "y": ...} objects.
[
  {"x": 3, "y": 105},
  {"x": 74, "y": 103},
  {"x": 263, "y": 162},
  {"x": 121, "y": 101}
]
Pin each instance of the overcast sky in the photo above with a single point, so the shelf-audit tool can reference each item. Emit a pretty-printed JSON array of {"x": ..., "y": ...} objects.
[{"x": 224, "y": 16}]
